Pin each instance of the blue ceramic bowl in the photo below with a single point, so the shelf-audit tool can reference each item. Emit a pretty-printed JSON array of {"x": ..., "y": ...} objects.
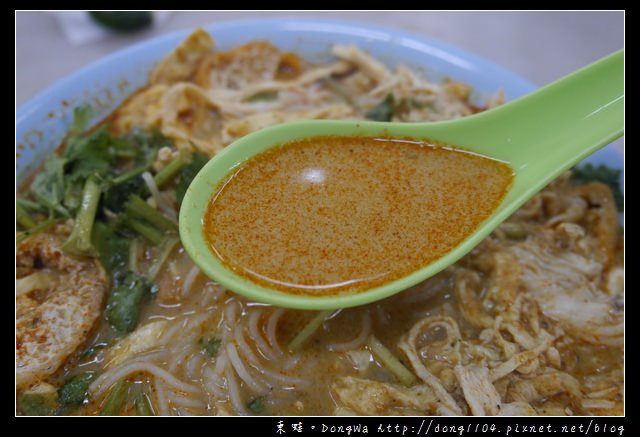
[{"x": 42, "y": 123}]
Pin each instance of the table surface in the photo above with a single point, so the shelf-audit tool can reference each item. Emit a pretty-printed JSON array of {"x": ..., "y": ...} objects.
[{"x": 540, "y": 46}]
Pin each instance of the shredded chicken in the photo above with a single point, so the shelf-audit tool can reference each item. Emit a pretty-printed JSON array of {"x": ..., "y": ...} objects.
[
  {"x": 372, "y": 398},
  {"x": 207, "y": 97},
  {"x": 529, "y": 305}
]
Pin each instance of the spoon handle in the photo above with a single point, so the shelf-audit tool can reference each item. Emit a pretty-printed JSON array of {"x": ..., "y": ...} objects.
[
  {"x": 572, "y": 117},
  {"x": 556, "y": 126},
  {"x": 544, "y": 133}
]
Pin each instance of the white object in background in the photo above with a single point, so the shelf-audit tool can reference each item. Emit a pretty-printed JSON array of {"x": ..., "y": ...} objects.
[{"x": 79, "y": 28}]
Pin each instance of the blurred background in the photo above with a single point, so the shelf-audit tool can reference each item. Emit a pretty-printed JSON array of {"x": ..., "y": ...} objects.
[{"x": 540, "y": 46}]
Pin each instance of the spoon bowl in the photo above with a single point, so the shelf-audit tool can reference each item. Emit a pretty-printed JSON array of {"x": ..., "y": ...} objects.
[{"x": 540, "y": 136}]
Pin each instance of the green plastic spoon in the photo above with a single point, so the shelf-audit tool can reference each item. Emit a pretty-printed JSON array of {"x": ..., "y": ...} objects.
[{"x": 540, "y": 135}]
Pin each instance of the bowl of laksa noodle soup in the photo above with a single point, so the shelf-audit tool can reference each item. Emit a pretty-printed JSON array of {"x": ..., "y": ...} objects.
[{"x": 114, "y": 318}]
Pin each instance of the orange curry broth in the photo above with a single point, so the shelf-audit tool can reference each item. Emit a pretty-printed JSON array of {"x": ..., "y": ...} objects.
[{"x": 333, "y": 215}]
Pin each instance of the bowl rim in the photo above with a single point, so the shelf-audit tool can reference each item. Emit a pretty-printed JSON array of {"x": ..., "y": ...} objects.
[
  {"x": 43, "y": 120},
  {"x": 430, "y": 53}
]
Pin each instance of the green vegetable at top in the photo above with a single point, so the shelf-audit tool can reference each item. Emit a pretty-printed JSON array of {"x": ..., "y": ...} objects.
[
  {"x": 105, "y": 183},
  {"x": 98, "y": 172},
  {"x": 123, "y": 21}
]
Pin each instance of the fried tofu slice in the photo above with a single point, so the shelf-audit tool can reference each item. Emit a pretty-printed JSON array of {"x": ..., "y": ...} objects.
[
  {"x": 58, "y": 299},
  {"x": 181, "y": 63}
]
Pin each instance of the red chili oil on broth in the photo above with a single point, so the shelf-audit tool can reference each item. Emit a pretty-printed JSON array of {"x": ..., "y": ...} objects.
[{"x": 333, "y": 215}]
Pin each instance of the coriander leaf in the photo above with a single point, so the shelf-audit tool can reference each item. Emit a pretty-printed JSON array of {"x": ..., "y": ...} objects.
[
  {"x": 198, "y": 160},
  {"x": 74, "y": 390},
  {"x": 81, "y": 118},
  {"x": 383, "y": 111},
  {"x": 609, "y": 176},
  {"x": 211, "y": 346},
  {"x": 257, "y": 405},
  {"x": 123, "y": 305},
  {"x": 48, "y": 187},
  {"x": 111, "y": 246},
  {"x": 79, "y": 241}
]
